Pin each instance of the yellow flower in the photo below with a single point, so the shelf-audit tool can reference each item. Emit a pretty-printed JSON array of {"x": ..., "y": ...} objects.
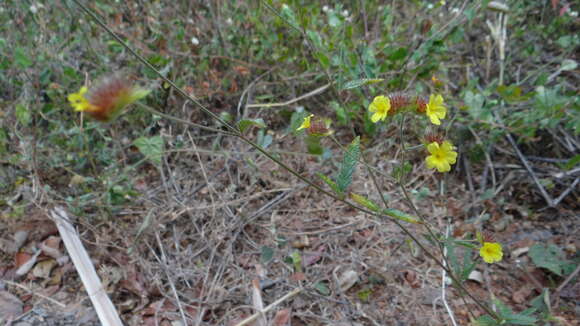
[
  {"x": 306, "y": 123},
  {"x": 79, "y": 102},
  {"x": 435, "y": 109},
  {"x": 491, "y": 252},
  {"x": 107, "y": 99},
  {"x": 380, "y": 107},
  {"x": 442, "y": 156}
]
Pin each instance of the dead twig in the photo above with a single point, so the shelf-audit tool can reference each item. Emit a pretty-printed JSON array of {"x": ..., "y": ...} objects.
[
  {"x": 62, "y": 305},
  {"x": 270, "y": 307}
]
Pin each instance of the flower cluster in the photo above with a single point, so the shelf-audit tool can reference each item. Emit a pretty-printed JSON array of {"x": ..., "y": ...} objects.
[
  {"x": 106, "y": 101},
  {"x": 382, "y": 106},
  {"x": 441, "y": 153}
]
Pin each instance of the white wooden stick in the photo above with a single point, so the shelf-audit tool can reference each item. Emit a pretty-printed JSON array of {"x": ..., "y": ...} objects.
[{"x": 80, "y": 258}]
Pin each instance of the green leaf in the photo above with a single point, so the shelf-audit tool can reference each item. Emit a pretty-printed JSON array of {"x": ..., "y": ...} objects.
[
  {"x": 402, "y": 216},
  {"x": 571, "y": 162},
  {"x": 568, "y": 65},
  {"x": 315, "y": 38},
  {"x": 264, "y": 140},
  {"x": 288, "y": 15},
  {"x": 348, "y": 165},
  {"x": 330, "y": 183},
  {"x": 340, "y": 112},
  {"x": 322, "y": 288},
  {"x": 21, "y": 58},
  {"x": 266, "y": 254},
  {"x": 3, "y": 141},
  {"x": 246, "y": 123},
  {"x": 23, "y": 114},
  {"x": 548, "y": 256},
  {"x": 365, "y": 294},
  {"x": 313, "y": 145},
  {"x": 296, "y": 120},
  {"x": 365, "y": 202},
  {"x": 151, "y": 147},
  {"x": 296, "y": 261},
  {"x": 360, "y": 82},
  {"x": 485, "y": 320}
]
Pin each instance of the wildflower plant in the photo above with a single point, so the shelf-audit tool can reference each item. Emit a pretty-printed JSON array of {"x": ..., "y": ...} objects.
[{"x": 106, "y": 100}]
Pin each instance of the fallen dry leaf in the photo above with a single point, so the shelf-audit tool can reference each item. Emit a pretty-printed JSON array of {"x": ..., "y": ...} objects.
[
  {"x": 347, "y": 280},
  {"x": 50, "y": 247},
  {"x": 44, "y": 268},
  {"x": 522, "y": 294},
  {"x": 282, "y": 318},
  {"x": 25, "y": 268}
]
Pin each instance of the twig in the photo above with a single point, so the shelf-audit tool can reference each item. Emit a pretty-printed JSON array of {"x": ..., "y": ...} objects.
[
  {"x": 566, "y": 192},
  {"x": 294, "y": 100},
  {"x": 443, "y": 283},
  {"x": 529, "y": 169},
  {"x": 568, "y": 279},
  {"x": 258, "y": 303},
  {"x": 62, "y": 305},
  {"x": 268, "y": 308},
  {"x": 82, "y": 262},
  {"x": 163, "y": 262}
]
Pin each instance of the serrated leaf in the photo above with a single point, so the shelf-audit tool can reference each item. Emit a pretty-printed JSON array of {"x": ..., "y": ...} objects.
[
  {"x": 330, "y": 183},
  {"x": 549, "y": 257},
  {"x": 348, "y": 165},
  {"x": 246, "y": 123},
  {"x": 365, "y": 202},
  {"x": 151, "y": 147},
  {"x": 23, "y": 114},
  {"x": 402, "y": 216},
  {"x": 360, "y": 82}
]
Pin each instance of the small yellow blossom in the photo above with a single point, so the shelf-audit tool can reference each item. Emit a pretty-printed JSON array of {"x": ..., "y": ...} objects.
[
  {"x": 442, "y": 156},
  {"x": 107, "y": 99},
  {"x": 435, "y": 109},
  {"x": 306, "y": 123},
  {"x": 79, "y": 102},
  {"x": 491, "y": 252},
  {"x": 380, "y": 107}
]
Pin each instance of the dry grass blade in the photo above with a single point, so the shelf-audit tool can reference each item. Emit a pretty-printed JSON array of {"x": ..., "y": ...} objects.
[{"x": 80, "y": 258}]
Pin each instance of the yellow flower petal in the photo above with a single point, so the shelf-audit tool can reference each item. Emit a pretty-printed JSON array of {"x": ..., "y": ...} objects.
[
  {"x": 491, "y": 252},
  {"x": 379, "y": 107},
  {"x": 306, "y": 123},
  {"x": 442, "y": 156},
  {"x": 435, "y": 109}
]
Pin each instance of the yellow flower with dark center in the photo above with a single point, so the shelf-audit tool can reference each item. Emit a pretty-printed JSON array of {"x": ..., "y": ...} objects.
[
  {"x": 442, "y": 156},
  {"x": 379, "y": 107},
  {"x": 306, "y": 123},
  {"x": 435, "y": 109},
  {"x": 491, "y": 252}
]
